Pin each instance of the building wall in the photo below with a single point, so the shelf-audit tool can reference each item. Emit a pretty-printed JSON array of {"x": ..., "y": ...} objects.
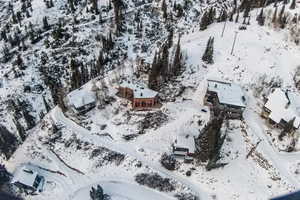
[
  {"x": 212, "y": 100},
  {"x": 144, "y": 102},
  {"x": 126, "y": 93}
]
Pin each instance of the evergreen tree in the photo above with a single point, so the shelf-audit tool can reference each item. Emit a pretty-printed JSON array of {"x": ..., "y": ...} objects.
[
  {"x": 237, "y": 17},
  {"x": 223, "y": 16},
  {"x": 4, "y": 175},
  {"x": 246, "y": 5},
  {"x": 281, "y": 13},
  {"x": 19, "y": 62},
  {"x": 211, "y": 15},
  {"x": 97, "y": 193},
  {"x": 164, "y": 9},
  {"x": 177, "y": 63},
  {"x": 170, "y": 37},
  {"x": 231, "y": 17},
  {"x": 71, "y": 5},
  {"x": 75, "y": 74},
  {"x": 45, "y": 23},
  {"x": 274, "y": 18},
  {"x": 261, "y": 18},
  {"x": 208, "y": 54},
  {"x": 293, "y": 4},
  {"x": 95, "y": 8},
  {"x": 4, "y": 35},
  {"x": 20, "y": 129},
  {"x": 47, "y": 107},
  {"x": 204, "y": 21},
  {"x": 6, "y": 53},
  {"x": 51, "y": 3},
  {"x": 118, "y": 9}
]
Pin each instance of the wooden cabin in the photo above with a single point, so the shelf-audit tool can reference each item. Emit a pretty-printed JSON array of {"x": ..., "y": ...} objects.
[
  {"x": 225, "y": 97},
  {"x": 142, "y": 98}
]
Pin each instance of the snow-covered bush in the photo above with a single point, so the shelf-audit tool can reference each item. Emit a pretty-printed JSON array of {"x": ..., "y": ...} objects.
[
  {"x": 186, "y": 196},
  {"x": 168, "y": 161},
  {"x": 155, "y": 181}
]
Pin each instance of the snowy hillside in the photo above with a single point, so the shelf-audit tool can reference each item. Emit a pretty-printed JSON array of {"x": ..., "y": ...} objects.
[{"x": 63, "y": 111}]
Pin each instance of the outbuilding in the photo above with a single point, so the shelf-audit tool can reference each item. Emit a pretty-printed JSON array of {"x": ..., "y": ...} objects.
[
  {"x": 29, "y": 179},
  {"x": 225, "y": 97},
  {"x": 140, "y": 96},
  {"x": 82, "y": 99}
]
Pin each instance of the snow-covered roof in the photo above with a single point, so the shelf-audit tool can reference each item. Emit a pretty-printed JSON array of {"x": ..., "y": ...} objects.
[
  {"x": 284, "y": 105},
  {"x": 186, "y": 141},
  {"x": 228, "y": 93},
  {"x": 140, "y": 91},
  {"x": 25, "y": 176},
  {"x": 81, "y": 97}
]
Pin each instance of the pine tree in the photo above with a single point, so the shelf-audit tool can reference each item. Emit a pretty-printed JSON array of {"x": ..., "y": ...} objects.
[
  {"x": 170, "y": 37},
  {"x": 19, "y": 62},
  {"x": 4, "y": 35},
  {"x": 95, "y": 8},
  {"x": 177, "y": 63},
  {"x": 164, "y": 9},
  {"x": 51, "y": 4},
  {"x": 4, "y": 175},
  {"x": 20, "y": 129},
  {"x": 97, "y": 193},
  {"x": 165, "y": 62},
  {"x": 281, "y": 13},
  {"x": 247, "y": 8},
  {"x": 261, "y": 18},
  {"x": 118, "y": 8},
  {"x": 204, "y": 21},
  {"x": 223, "y": 16},
  {"x": 237, "y": 17},
  {"x": 231, "y": 17},
  {"x": 274, "y": 18},
  {"x": 6, "y": 53},
  {"x": 47, "y": 107},
  {"x": 45, "y": 23},
  {"x": 211, "y": 15},
  {"x": 71, "y": 5},
  {"x": 208, "y": 54},
  {"x": 293, "y": 4}
]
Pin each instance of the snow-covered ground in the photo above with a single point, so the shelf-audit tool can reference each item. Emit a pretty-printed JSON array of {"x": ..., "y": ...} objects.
[{"x": 265, "y": 173}]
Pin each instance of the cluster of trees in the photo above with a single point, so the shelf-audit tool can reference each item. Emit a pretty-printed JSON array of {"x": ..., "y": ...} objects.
[
  {"x": 210, "y": 142},
  {"x": 98, "y": 194},
  {"x": 119, "y": 8},
  {"x": 162, "y": 69}
]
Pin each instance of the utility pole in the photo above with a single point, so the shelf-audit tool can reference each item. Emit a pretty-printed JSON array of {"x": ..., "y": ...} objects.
[
  {"x": 235, "y": 36},
  {"x": 224, "y": 28}
]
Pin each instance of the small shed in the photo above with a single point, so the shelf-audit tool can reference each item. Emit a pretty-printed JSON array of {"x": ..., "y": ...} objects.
[
  {"x": 82, "y": 99},
  {"x": 28, "y": 179},
  {"x": 184, "y": 145}
]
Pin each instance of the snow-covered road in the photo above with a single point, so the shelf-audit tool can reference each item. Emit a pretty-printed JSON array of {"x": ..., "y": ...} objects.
[
  {"x": 128, "y": 149},
  {"x": 279, "y": 160}
]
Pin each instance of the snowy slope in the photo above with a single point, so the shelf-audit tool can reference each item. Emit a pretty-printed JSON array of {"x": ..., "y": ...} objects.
[{"x": 261, "y": 54}]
